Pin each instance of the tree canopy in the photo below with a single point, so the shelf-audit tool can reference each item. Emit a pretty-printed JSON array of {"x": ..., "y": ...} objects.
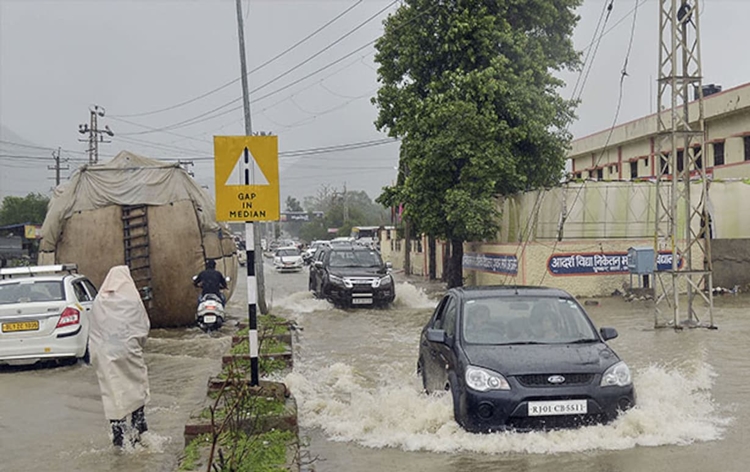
[
  {"x": 469, "y": 87},
  {"x": 29, "y": 209}
]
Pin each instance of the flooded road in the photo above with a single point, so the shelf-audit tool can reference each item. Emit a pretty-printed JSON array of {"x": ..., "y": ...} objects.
[
  {"x": 361, "y": 407},
  {"x": 52, "y": 419}
]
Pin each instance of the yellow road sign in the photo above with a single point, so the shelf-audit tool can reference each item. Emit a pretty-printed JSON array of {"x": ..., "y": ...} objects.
[{"x": 255, "y": 158}]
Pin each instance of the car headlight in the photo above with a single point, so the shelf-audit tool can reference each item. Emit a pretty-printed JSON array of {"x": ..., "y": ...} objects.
[
  {"x": 617, "y": 375},
  {"x": 383, "y": 281},
  {"x": 335, "y": 279},
  {"x": 483, "y": 380}
]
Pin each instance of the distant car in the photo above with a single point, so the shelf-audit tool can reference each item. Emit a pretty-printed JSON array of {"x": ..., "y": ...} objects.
[
  {"x": 351, "y": 275},
  {"x": 242, "y": 257},
  {"x": 342, "y": 241},
  {"x": 309, "y": 253},
  {"x": 44, "y": 314},
  {"x": 522, "y": 358},
  {"x": 287, "y": 259}
]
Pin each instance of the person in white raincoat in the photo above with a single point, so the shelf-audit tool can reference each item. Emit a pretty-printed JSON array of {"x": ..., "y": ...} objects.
[{"x": 118, "y": 332}]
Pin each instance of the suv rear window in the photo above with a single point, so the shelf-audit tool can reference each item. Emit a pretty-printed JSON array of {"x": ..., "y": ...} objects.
[
  {"x": 25, "y": 291},
  {"x": 354, "y": 259}
]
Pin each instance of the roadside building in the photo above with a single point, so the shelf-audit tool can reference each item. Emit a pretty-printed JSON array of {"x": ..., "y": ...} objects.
[
  {"x": 630, "y": 151},
  {"x": 576, "y": 236}
]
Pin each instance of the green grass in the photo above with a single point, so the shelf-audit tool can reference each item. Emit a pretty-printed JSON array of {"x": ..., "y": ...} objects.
[
  {"x": 265, "y": 366},
  {"x": 257, "y": 453},
  {"x": 267, "y": 346},
  {"x": 269, "y": 324},
  {"x": 192, "y": 454},
  {"x": 253, "y": 406}
]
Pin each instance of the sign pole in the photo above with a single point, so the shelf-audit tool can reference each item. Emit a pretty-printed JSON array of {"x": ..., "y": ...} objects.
[{"x": 252, "y": 285}]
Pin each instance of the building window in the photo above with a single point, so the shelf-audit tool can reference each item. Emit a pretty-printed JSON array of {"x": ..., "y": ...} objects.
[
  {"x": 664, "y": 167},
  {"x": 719, "y": 154},
  {"x": 680, "y": 161},
  {"x": 746, "y": 142},
  {"x": 698, "y": 157},
  {"x": 600, "y": 173},
  {"x": 633, "y": 169}
]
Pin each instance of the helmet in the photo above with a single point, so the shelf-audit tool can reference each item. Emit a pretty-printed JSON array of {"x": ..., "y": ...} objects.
[{"x": 210, "y": 264}]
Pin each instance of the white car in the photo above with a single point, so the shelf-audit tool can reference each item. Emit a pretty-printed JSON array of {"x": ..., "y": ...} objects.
[
  {"x": 288, "y": 259},
  {"x": 44, "y": 314}
]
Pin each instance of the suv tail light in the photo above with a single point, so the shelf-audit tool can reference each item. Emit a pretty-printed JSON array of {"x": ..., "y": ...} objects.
[{"x": 70, "y": 316}]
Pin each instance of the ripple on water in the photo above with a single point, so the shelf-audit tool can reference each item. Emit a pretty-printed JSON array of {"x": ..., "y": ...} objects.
[{"x": 675, "y": 407}]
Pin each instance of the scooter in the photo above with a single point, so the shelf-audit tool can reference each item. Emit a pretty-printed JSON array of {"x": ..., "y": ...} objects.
[{"x": 210, "y": 312}]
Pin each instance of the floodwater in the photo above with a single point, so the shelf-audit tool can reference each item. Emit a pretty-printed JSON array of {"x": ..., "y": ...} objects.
[
  {"x": 52, "y": 419},
  {"x": 361, "y": 407}
]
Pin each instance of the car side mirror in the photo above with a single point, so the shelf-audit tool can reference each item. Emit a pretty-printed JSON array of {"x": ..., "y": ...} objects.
[
  {"x": 608, "y": 333},
  {"x": 319, "y": 264},
  {"x": 388, "y": 265},
  {"x": 228, "y": 279},
  {"x": 436, "y": 335}
]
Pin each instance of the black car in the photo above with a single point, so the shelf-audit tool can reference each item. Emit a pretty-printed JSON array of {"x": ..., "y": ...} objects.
[
  {"x": 351, "y": 275},
  {"x": 522, "y": 358}
]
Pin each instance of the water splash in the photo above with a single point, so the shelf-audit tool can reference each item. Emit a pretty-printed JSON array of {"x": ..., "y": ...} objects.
[
  {"x": 409, "y": 296},
  {"x": 675, "y": 407},
  {"x": 301, "y": 302}
]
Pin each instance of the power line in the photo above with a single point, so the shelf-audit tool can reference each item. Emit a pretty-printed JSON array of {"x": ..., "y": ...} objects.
[
  {"x": 204, "y": 116},
  {"x": 623, "y": 74},
  {"x": 310, "y": 151},
  {"x": 273, "y": 59}
]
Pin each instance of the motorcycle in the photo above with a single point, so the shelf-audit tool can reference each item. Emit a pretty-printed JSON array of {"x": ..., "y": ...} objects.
[{"x": 210, "y": 314}]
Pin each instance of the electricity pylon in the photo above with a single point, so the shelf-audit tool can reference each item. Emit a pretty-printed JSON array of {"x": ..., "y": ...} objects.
[{"x": 682, "y": 220}]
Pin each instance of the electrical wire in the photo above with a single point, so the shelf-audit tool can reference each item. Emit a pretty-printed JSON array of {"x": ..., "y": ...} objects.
[
  {"x": 623, "y": 74},
  {"x": 273, "y": 59},
  {"x": 205, "y": 116}
]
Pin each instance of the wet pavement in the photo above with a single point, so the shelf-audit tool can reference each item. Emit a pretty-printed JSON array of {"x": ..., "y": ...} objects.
[{"x": 361, "y": 407}]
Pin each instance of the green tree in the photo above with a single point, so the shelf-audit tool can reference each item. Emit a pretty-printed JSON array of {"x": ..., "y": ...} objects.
[
  {"x": 468, "y": 86},
  {"x": 29, "y": 209},
  {"x": 292, "y": 204}
]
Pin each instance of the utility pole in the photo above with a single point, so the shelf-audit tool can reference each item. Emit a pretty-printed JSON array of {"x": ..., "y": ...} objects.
[
  {"x": 682, "y": 223},
  {"x": 96, "y": 135},
  {"x": 255, "y": 282},
  {"x": 56, "y": 167}
]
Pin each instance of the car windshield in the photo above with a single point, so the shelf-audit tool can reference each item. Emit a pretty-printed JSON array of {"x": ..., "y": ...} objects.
[
  {"x": 25, "y": 291},
  {"x": 354, "y": 259},
  {"x": 526, "y": 320},
  {"x": 288, "y": 252}
]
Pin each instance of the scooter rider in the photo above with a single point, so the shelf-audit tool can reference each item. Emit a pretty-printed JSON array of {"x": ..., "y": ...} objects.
[{"x": 211, "y": 281}]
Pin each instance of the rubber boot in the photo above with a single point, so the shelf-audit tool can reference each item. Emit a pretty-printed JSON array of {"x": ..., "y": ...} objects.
[
  {"x": 138, "y": 421},
  {"x": 118, "y": 432}
]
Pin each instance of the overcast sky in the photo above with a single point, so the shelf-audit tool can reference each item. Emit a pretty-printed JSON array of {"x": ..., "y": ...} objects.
[{"x": 137, "y": 58}]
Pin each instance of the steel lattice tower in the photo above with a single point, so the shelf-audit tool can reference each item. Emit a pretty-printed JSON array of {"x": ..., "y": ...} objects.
[{"x": 682, "y": 219}]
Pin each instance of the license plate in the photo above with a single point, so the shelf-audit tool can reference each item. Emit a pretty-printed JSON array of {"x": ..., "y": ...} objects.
[
  {"x": 555, "y": 408},
  {"x": 21, "y": 326},
  {"x": 361, "y": 301},
  {"x": 209, "y": 319}
]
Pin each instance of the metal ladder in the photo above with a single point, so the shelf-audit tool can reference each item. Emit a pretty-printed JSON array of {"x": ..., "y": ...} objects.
[{"x": 137, "y": 251}]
